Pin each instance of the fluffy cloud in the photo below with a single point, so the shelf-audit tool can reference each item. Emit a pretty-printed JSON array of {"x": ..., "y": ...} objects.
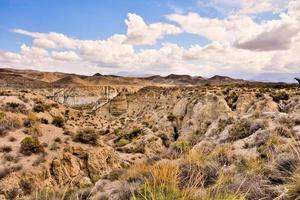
[
  {"x": 242, "y": 31},
  {"x": 65, "y": 55},
  {"x": 275, "y": 35},
  {"x": 249, "y": 7},
  {"x": 139, "y": 33},
  {"x": 227, "y": 29},
  {"x": 49, "y": 40}
]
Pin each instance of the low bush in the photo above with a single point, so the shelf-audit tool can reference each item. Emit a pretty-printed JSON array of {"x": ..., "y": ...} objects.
[
  {"x": 231, "y": 100},
  {"x": 8, "y": 123},
  {"x": 86, "y": 136},
  {"x": 31, "y": 120},
  {"x": 181, "y": 146},
  {"x": 5, "y": 149},
  {"x": 39, "y": 108},
  {"x": 26, "y": 186},
  {"x": 13, "y": 193},
  {"x": 122, "y": 142},
  {"x": 171, "y": 117},
  {"x": 158, "y": 192},
  {"x": 293, "y": 188},
  {"x": 279, "y": 96},
  {"x": 132, "y": 134},
  {"x": 31, "y": 145},
  {"x": 15, "y": 108},
  {"x": 44, "y": 121},
  {"x": 240, "y": 130},
  {"x": 128, "y": 137},
  {"x": 58, "y": 121},
  {"x": 4, "y": 172}
]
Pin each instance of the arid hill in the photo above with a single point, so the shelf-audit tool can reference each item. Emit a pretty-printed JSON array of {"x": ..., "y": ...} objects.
[
  {"x": 147, "y": 138},
  {"x": 57, "y": 79}
]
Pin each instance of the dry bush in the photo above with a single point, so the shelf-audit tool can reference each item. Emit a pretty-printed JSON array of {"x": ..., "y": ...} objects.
[
  {"x": 31, "y": 120},
  {"x": 8, "y": 122},
  {"x": 34, "y": 130},
  {"x": 58, "y": 121},
  {"x": 86, "y": 136},
  {"x": 26, "y": 186},
  {"x": 161, "y": 182},
  {"x": 240, "y": 130},
  {"x": 231, "y": 100},
  {"x": 4, "y": 172},
  {"x": 293, "y": 187},
  {"x": 280, "y": 96},
  {"x": 68, "y": 192},
  {"x": 283, "y": 131},
  {"x": 39, "y": 107},
  {"x": 31, "y": 145},
  {"x": 13, "y": 193},
  {"x": 5, "y": 149},
  {"x": 128, "y": 137},
  {"x": 181, "y": 146},
  {"x": 15, "y": 108}
]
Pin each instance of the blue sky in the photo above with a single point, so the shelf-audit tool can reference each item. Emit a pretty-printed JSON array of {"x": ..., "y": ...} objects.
[
  {"x": 198, "y": 37},
  {"x": 85, "y": 19}
]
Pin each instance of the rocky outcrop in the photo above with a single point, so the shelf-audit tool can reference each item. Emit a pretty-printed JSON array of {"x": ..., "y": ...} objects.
[
  {"x": 77, "y": 163},
  {"x": 118, "y": 105},
  {"x": 85, "y": 96},
  {"x": 199, "y": 116}
]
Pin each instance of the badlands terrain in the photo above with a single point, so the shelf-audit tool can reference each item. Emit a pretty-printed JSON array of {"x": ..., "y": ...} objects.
[{"x": 104, "y": 137}]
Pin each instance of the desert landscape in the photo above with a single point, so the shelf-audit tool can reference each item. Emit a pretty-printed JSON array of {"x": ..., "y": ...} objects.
[
  {"x": 67, "y": 136},
  {"x": 149, "y": 100}
]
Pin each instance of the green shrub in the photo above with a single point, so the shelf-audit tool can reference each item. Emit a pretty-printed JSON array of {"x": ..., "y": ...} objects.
[
  {"x": 128, "y": 137},
  {"x": 58, "y": 121},
  {"x": 122, "y": 142},
  {"x": 132, "y": 134},
  {"x": 2, "y": 115},
  {"x": 158, "y": 192},
  {"x": 86, "y": 136},
  {"x": 31, "y": 145},
  {"x": 117, "y": 132},
  {"x": 181, "y": 146},
  {"x": 240, "y": 130}
]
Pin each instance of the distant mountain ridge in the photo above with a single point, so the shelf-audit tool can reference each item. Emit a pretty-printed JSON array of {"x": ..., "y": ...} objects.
[
  {"x": 58, "y": 79},
  {"x": 277, "y": 77}
]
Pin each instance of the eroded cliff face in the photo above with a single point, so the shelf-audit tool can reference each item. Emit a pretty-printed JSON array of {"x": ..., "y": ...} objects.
[{"x": 92, "y": 97}]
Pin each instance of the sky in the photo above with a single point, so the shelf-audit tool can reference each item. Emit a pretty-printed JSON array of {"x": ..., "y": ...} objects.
[{"x": 239, "y": 38}]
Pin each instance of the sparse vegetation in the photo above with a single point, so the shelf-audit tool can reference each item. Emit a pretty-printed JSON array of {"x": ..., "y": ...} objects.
[
  {"x": 280, "y": 96},
  {"x": 241, "y": 129},
  {"x": 5, "y": 149},
  {"x": 171, "y": 117},
  {"x": 26, "y": 186},
  {"x": 39, "y": 108},
  {"x": 86, "y": 136},
  {"x": 31, "y": 145},
  {"x": 15, "y": 108},
  {"x": 58, "y": 121},
  {"x": 128, "y": 137},
  {"x": 181, "y": 146},
  {"x": 162, "y": 148}
]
